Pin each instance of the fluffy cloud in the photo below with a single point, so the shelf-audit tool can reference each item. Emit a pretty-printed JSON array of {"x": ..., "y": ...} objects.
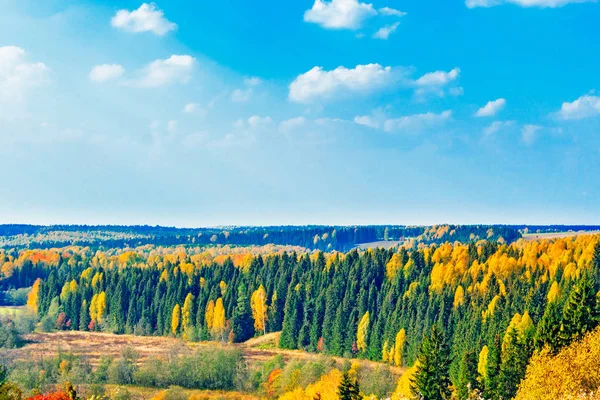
[
  {"x": 257, "y": 122},
  {"x": 243, "y": 95},
  {"x": 385, "y": 31},
  {"x": 176, "y": 68},
  {"x": 435, "y": 83},
  {"x": 497, "y": 126},
  {"x": 320, "y": 84},
  {"x": 147, "y": 18},
  {"x": 291, "y": 124},
  {"x": 491, "y": 108},
  {"x": 106, "y": 72},
  {"x": 17, "y": 75},
  {"x": 191, "y": 108},
  {"x": 438, "y": 78},
  {"x": 416, "y": 123},
  {"x": 365, "y": 120},
  {"x": 584, "y": 107},
  {"x": 391, "y": 12},
  {"x": 529, "y": 133},
  {"x": 339, "y": 14},
  {"x": 524, "y": 3}
]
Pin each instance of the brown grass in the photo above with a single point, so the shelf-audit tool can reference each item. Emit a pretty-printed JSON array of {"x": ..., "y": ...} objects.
[
  {"x": 556, "y": 235},
  {"x": 91, "y": 346}
]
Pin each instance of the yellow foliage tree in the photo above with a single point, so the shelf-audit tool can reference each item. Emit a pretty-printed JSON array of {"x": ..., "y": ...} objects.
[
  {"x": 554, "y": 292},
  {"x": 459, "y": 296},
  {"x": 574, "y": 373},
  {"x": 218, "y": 325},
  {"x": 399, "y": 347},
  {"x": 98, "y": 307},
  {"x": 258, "y": 303},
  {"x": 175, "y": 319},
  {"x": 209, "y": 315},
  {"x": 393, "y": 266},
  {"x": 483, "y": 362},
  {"x": 361, "y": 334},
  {"x": 33, "y": 296},
  {"x": 186, "y": 314}
]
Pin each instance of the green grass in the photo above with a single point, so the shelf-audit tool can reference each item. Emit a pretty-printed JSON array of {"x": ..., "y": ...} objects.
[{"x": 12, "y": 310}]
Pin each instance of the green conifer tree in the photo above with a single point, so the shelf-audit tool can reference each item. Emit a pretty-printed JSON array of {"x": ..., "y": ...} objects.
[
  {"x": 349, "y": 388},
  {"x": 432, "y": 378},
  {"x": 467, "y": 380},
  {"x": 243, "y": 325},
  {"x": 580, "y": 314}
]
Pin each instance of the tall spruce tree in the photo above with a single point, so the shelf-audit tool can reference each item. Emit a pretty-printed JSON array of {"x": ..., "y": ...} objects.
[
  {"x": 243, "y": 325},
  {"x": 514, "y": 364},
  {"x": 432, "y": 378},
  {"x": 548, "y": 330},
  {"x": 349, "y": 388},
  {"x": 580, "y": 314},
  {"x": 467, "y": 376}
]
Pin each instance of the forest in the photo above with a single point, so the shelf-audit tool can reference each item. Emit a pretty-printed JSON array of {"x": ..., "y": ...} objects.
[
  {"x": 476, "y": 318},
  {"x": 325, "y": 238}
]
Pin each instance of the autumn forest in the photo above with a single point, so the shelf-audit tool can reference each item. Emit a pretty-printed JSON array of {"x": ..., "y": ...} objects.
[{"x": 461, "y": 312}]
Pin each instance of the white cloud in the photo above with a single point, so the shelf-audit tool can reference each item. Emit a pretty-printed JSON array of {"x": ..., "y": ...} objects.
[
  {"x": 147, "y": 18},
  {"x": 365, "y": 120},
  {"x": 252, "y": 81},
  {"x": 435, "y": 84},
  {"x": 525, "y": 3},
  {"x": 416, "y": 123},
  {"x": 438, "y": 78},
  {"x": 491, "y": 108},
  {"x": 106, "y": 72},
  {"x": 291, "y": 124},
  {"x": 497, "y": 126},
  {"x": 529, "y": 133},
  {"x": 257, "y": 122},
  {"x": 584, "y": 107},
  {"x": 191, "y": 108},
  {"x": 339, "y": 14},
  {"x": 385, "y": 32},
  {"x": 320, "y": 84},
  {"x": 176, "y": 68},
  {"x": 241, "y": 95},
  {"x": 17, "y": 75},
  {"x": 391, "y": 12}
]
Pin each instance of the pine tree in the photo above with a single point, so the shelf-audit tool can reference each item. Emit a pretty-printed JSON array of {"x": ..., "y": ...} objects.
[
  {"x": 548, "y": 330},
  {"x": 514, "y": 364},
  {"x": 243, "y": 328},
  {"x": 580, "y": 314},
  {"x": 349, "y": 388},
  {"x": 467, "y": 379},
  {"x": 84, "y": 316},
  {"x": 432, "y": 378},
  {"x": 492, "y": 380}
]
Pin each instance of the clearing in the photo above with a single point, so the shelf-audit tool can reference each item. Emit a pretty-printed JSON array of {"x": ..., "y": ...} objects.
[
  {"x": 93, "y": 345},
  {"x": 556, "y": 235}
]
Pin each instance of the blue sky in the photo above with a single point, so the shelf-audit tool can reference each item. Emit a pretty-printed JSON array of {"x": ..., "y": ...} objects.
[{"x": 333, "y": 112}]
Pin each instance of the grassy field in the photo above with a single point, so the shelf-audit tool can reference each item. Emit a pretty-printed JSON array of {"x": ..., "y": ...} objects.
[
  {"x": 556, "y": 235},
  {"x": 143, "y": 393},
  {"x": 93, "y": 345},
  {"x": 11, "y": 310}
]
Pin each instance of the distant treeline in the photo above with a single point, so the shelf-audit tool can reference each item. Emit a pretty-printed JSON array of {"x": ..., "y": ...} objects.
[{"x": 326, "y": 238}]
